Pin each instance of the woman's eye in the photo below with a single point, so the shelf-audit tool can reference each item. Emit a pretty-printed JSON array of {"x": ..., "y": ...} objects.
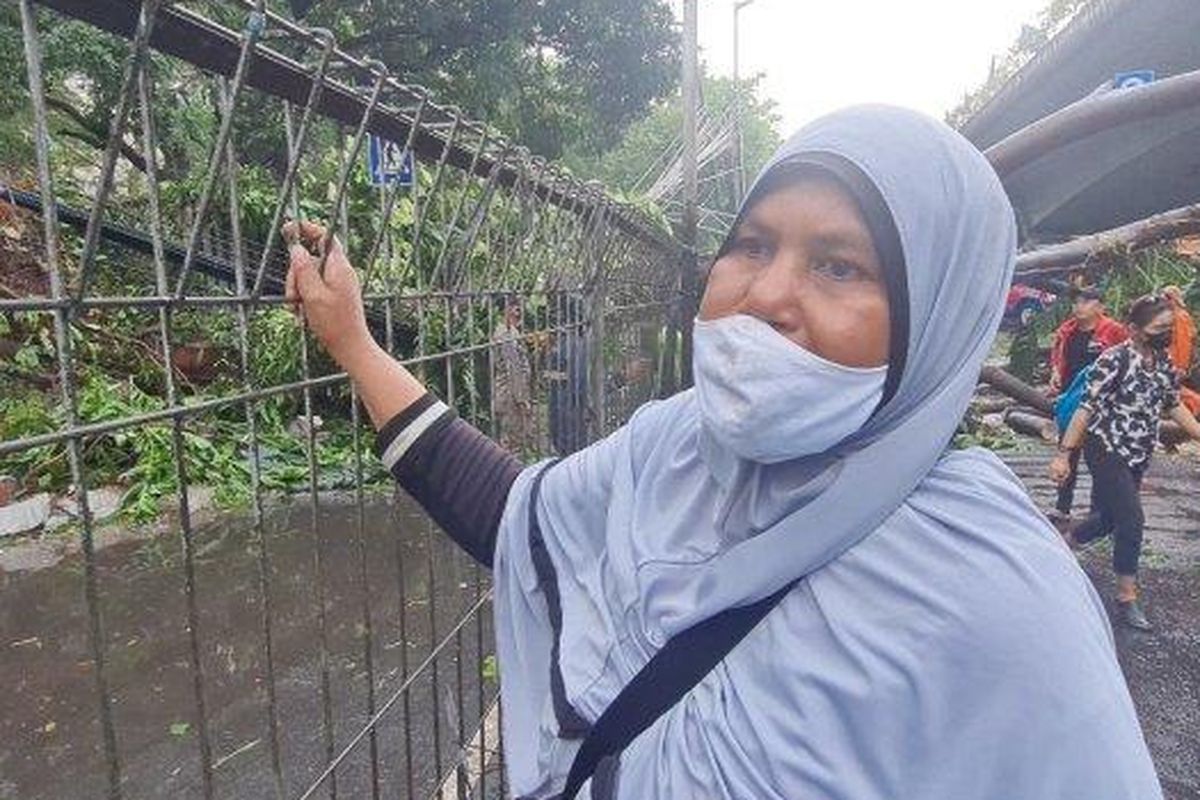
[{"x": 841, "y": 271}]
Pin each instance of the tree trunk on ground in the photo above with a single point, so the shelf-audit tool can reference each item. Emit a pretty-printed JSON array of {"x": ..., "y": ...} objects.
[
  {"x": 1032, "y": 425},
  {"x": 992, "y": 405},
  {"x": 1017, "y": 389},
  {"x": 1106, "y": 246}
]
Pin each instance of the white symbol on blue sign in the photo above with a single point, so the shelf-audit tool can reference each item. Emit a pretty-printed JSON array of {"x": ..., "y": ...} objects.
[
  {"x": 388, "y": 162},
  {"x": 1132, "y": 78}
]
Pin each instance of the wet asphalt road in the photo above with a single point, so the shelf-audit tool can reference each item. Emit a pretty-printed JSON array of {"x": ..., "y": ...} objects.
[
  {"x": 1161, "y": 667},
  {"x": 50, "y": 744}
]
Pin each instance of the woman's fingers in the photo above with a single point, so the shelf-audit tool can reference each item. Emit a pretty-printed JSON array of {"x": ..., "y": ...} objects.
[
  {"x": 302, "y": 282},
  {"x": 306, "y": 232},
  {"x": 311, "y": 236},
  {"x": 291, "y": 289}
]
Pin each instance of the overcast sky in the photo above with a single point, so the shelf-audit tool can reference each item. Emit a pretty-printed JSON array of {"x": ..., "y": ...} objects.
[{"x": 819, "y": 55}]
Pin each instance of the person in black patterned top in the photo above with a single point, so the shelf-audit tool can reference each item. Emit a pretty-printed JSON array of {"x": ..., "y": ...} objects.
[{"x": 1131, "y": 387}]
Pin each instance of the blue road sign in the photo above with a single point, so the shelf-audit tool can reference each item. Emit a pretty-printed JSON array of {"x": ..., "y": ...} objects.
[
  {"x": 388, "y": 162},
  {"x": 1132, "y": 78}
]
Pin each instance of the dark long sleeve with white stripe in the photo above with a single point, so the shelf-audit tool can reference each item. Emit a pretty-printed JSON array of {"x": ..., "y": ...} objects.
[{"x": 458, "y": 475}]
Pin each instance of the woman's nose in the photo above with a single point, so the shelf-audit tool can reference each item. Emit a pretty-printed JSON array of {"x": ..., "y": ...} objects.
[{"x": 772, "y": 295}]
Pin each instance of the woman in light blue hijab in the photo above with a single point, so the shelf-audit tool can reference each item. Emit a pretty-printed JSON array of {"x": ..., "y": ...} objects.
[{"x": 941, "y": 642}]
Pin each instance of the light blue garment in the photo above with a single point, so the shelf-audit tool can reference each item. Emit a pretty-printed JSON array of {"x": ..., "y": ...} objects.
[
  {"x": 944, "y": 644},
  {"x": 750, "y": 379}
]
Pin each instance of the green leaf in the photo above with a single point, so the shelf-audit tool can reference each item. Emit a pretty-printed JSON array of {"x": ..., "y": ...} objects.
[
  {"x": 491, "y": 672},
  {"x": 179, "y": 728}
]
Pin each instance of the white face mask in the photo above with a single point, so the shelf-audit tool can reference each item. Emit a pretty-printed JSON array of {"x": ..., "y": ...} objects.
[{"x": 767, "y": 399}]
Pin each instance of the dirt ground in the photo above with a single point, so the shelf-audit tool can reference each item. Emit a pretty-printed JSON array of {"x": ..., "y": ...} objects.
[{"x": 1162, "y": 667}]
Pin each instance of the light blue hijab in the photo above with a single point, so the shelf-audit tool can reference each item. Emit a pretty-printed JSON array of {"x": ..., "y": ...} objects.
[{"x": 944, "y": 643}]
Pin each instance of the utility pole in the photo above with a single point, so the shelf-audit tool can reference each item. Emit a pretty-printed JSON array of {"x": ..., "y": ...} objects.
[
  {"x": 687, "y": 228},
  {"x": 738, "y": 107}
]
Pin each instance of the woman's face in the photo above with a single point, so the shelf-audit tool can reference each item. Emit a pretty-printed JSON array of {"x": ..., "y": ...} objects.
[
  {"x": 803, "y": 261},
  {"x": 1160, "y": 324}
]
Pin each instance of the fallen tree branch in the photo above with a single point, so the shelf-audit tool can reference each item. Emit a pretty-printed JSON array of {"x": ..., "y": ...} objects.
[
  {"x": 1031, "y": 425},
  {"x": 89, "y": 135},
  {"x": 1110, "y": 244},
  {"x": 1017, "y": 389},
  {"x": 1090, "y": 115}
]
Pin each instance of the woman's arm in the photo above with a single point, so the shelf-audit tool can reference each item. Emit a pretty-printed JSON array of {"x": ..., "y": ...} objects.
[
  {"x": 1060, "y": 467},
  {"x": 459, "y": 476},
  {"x": 1058, "y": 360}
]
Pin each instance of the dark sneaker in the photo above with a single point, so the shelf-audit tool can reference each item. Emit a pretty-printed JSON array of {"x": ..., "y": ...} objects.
[{"x": 1130, "y": 613}]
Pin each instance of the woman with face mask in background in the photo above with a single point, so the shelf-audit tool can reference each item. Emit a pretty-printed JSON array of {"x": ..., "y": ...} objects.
[
  {"x": 927, "y": 634},
  {"x": 1131, "y": 387}
]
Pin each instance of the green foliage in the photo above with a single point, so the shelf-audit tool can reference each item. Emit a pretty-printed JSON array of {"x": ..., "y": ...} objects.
[
  {"x": 556, "y": 74},
  {"x": 627, "y": 163},
  {"x": 994, "y": 439},
  {"x": 1149, "y": 271},
  {"x": 1024, "y": 354},
  {"x": 142, "y": 458},
  {"x": 634, "y": 163},
  {"x": 973, "y": 433}
]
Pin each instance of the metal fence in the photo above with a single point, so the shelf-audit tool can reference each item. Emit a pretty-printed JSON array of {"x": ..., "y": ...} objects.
[{"x": 326, "y": 642}]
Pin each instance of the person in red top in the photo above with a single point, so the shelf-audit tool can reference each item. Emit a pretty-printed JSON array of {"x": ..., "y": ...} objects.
[{"x": 1077, "y": 343}]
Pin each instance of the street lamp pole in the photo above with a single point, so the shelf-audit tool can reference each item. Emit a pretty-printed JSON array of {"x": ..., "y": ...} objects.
[
  {"x": 688, "y": 225},
  {"x": 740, "y": 176}
]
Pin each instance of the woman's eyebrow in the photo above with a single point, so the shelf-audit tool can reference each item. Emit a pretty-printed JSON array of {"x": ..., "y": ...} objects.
[
  {"x": 749, "y": 225},
  {"x": 844, "y": 241}
]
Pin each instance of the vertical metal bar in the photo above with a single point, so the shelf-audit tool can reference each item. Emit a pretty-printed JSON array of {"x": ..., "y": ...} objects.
[
  {"x": 431, "y": 577},
  {"x": 476, "y": 572},
  {"x": 536, "y": 241},
  {"x": 468, "y": 176},
  {"x": 556, "y": 241},
  {"x": 578, "y": 418},
  {"x": 179, "y": 451},
  {"x": 295, "y": 151},
  {"x": 368, "y": 632},
  {"x": 66, "y": 381},
  {"x": 439, "y": 171},
  {"x": 262, "y": 559},
  {"x": 288, "y": 196},
  {"x": 318, "y": 558},
  {"x": 507, "y": 237},
  {"x": 402, "y": 588},
  {"x": 390, "y": 202},
  {"x": 187, "y": 543},
  {"x": 597, "y": 309},
  {"x": 255, "y": 25},
  {"x": 435, "y": 683},
  {"x": 478, "y": 218},
  {"x": 352, "y": 159},
  {"x": 589, "y": 222},
  {"x": 450, "y": 345},
  {"x": 116, "y": 134},
  {"x": 511, "y": 244}
]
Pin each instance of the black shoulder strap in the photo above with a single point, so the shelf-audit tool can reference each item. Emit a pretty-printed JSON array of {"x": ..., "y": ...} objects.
[{"x": 670, "y": 674}]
